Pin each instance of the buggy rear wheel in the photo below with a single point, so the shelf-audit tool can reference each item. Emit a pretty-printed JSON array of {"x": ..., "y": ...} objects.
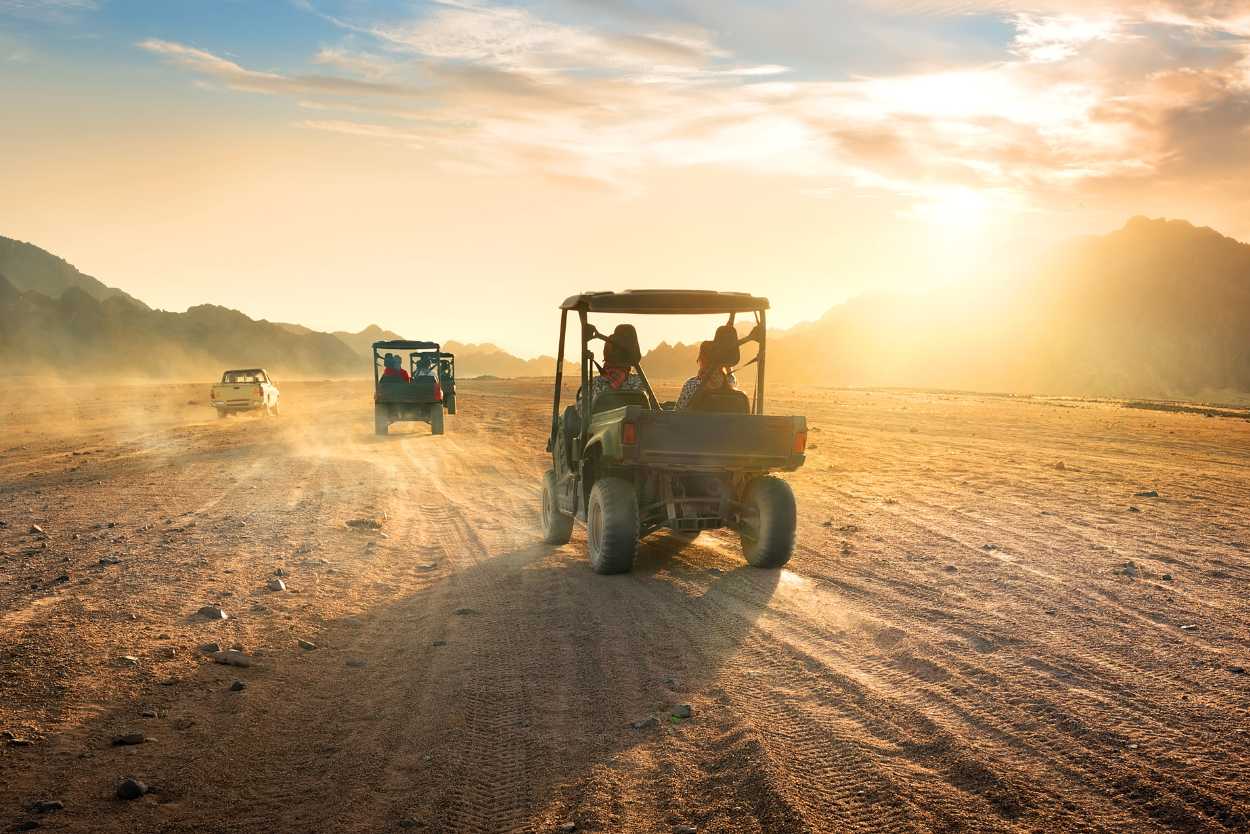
[
  {"x": 381, "y": 423},
  {"x": 221, "y": 414},
  {"x": 612, "y": 526},
  {"x": 436, "y": 418},
  {"x": 767, "y": 524},
  {"x": 557, "y": 527}
]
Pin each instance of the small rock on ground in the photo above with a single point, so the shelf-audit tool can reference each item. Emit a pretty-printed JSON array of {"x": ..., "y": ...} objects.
[
  {"x": 233, "y": 657},
  {"x": 462, "y": 612},
  {"x": 307, "y": 645},
  {"x": 128, "y": 739},
  {"x": 276, "y": 584},
  {"x": 46, "y": 806},
  {"x": 681, "y": 711},
  {"x": 1150, "y": 493},
  {"x": 238, "y": 686},
  {"x": 357, "y": 663},
  {"x": 131, "y": 789},
  {"x": 646, "y": 723},
  {"x": 213, "y": 612},
  {"x": 210, "y": 648},
  {"x": 685, "y": 829}
]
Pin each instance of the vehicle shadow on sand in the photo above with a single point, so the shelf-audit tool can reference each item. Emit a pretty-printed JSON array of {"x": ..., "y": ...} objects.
[{"x": 492, "y": 696}]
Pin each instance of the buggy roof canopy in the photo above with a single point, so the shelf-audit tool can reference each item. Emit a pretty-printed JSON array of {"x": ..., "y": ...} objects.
[
  {"x": 675, "y": 302},
  {"x": 400, "y": 344}
]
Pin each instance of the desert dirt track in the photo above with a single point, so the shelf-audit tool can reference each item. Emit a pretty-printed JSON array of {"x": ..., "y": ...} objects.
[{"x": 957, "y": 644}]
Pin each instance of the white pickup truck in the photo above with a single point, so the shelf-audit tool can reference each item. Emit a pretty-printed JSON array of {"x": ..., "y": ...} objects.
[{"x": 248, "y": 389}]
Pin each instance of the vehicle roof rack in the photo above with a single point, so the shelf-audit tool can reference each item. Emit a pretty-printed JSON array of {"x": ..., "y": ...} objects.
[
  {"x": 401, "y": 344},
  {"x": 649, "y": 302}
]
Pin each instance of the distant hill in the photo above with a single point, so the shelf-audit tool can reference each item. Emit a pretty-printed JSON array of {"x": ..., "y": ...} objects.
[
  {"x": 362, "y": 342},
  {"x": 1159, "y": 308},
  {"x": 79, "y": 336},
  {"x": 486, "y": 359},
  {"x": 28, "y": 267},
  {"x": 55, "y": 318}
]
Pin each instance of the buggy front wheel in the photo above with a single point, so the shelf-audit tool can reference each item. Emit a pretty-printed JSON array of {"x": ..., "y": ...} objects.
[{"x": 557, "y": 527}]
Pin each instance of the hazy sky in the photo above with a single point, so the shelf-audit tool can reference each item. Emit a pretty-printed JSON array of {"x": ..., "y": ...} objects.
[{"x": 454, "y": 169}]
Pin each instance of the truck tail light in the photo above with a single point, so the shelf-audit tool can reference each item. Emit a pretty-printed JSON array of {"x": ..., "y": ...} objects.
[
  {"x": 629, "y": 434},
  {"x": 438, "y": 391},
  {"x": 800, "y": 442}
]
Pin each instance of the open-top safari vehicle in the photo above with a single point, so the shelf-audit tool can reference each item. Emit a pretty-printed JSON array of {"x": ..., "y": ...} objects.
[
  {"x": 422, "y": 394},
  {"x": 626, "y": 465}
]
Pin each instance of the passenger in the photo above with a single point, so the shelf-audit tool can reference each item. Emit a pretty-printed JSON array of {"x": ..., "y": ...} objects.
[
  {"x": 393, "y": 370},
  {"x": 711, "y": 376}
]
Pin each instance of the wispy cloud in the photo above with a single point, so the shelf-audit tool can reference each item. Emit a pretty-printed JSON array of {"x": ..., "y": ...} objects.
[
  {"x": 52, "y": 11},
  {"x": 236, "y": 77},
  {"x": 1078, "y": 98}
]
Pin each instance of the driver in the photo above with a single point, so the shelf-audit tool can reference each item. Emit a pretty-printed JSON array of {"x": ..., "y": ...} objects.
[{"x": 618, "y": 364}]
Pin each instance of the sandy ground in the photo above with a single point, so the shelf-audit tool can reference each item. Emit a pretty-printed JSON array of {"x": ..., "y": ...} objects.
[{"x": 957, "y": 645}]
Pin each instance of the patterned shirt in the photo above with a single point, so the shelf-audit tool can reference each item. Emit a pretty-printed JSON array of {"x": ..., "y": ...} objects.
[
  {"x": 692, "y": 387},
  {"x": 600, "y": 384}
]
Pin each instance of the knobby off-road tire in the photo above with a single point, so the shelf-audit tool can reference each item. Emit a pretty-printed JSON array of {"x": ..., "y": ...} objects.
[
  {"x": 768, "y": 521},
  {"x": 557, "y": 527},
  {"x": 612, "y": 526},
  {"x": 451, "y": 404},
  {"x": 381, "y": 425},
  {"x": 436, "y": 419}
]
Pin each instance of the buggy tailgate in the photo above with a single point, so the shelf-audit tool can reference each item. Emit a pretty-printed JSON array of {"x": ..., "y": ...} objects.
[{"x": 681, "y": 439}]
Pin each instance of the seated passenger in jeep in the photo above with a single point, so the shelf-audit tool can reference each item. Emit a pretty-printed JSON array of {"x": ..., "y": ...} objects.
[
  {"x": 393, "y": 369},
  {"x": 714, "y": 376}
]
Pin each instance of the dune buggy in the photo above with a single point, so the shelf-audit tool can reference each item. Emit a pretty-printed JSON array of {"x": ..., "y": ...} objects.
[
  {"x": 423, "y": 394},
  {"x": 625, "y": 465}
]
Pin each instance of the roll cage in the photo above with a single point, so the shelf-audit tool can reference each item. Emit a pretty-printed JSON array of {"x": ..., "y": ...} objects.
[
  {"x": 426, "y": 357},
  {"x": 652, "y": 302}
]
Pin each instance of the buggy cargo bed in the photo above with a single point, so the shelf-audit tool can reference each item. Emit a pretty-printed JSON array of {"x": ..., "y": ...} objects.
[{"x": 702, "y": 440}]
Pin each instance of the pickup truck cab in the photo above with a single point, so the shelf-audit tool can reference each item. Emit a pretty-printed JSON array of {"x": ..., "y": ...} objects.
[
  {"x": 625, "y": 465},
  {"x": 245, "y": 389}
]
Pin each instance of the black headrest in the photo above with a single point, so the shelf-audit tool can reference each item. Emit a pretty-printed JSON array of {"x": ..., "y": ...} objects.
[
  {"x": 622, "y": 346},
  {"x": 725, "y": 346}
]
